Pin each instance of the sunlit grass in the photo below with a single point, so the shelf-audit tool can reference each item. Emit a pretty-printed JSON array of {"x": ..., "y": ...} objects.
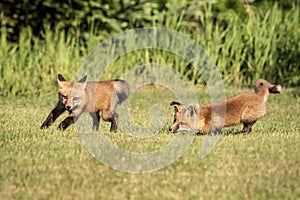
[{"x": 37, "y": 164}]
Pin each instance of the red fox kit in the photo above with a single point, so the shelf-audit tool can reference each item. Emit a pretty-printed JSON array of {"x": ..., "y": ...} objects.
[
  {"x": 92, "y": 97},
  {"x": 246, "y": 109}
]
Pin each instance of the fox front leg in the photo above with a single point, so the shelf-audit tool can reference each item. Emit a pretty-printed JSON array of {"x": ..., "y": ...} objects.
[
  {"x": 66, "y": 123},
  {"x": 53, "y": 115},
  {"x": 96, "y": 120}
]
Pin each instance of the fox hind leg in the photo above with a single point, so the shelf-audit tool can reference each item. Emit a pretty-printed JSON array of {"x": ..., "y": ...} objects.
[
  {"x": 247, "y": 128},
  {"x": 111, "y": 117},
  {"x": 114, "y": 123}
]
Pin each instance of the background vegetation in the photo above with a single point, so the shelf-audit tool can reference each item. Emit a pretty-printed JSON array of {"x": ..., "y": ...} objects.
[{"x": 42, "y": 38}]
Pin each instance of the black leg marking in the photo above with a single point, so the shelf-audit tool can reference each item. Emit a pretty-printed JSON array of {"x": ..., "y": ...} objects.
[
  {"x": 66, "y": 123},
  {"x": 96, "y": 120},
  {"x": 54, "y": 114},
  {"x": 114, "y": 123},
  {"x": 247, "y": 128}
]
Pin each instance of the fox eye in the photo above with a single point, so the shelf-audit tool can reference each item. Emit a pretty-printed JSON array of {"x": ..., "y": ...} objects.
[
  {"x": 261, "y": 84},
  {"x": 181, "y": 123},
  {"x": 75, "y": 98},
  {"x": 64, "y": 97}
]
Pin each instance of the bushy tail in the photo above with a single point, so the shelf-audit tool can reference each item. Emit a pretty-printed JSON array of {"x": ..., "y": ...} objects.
[{"x": 122, "y": 90}]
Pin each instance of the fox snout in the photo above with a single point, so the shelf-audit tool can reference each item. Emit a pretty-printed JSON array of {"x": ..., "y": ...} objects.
[
  {"x": 69, "y": 108},
  {"x": 68, "y": 105},
  {"x": 181, "y": 126},
  {"x": 172, "y": 129}
]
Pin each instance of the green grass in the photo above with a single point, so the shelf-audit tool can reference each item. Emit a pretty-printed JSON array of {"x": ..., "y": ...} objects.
[{"x": 50, "y": 164}]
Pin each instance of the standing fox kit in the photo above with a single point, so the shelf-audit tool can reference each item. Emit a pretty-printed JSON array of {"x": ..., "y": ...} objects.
[
  {"x": 245, "y": 108},
  {"x": 92, "y": 97}
]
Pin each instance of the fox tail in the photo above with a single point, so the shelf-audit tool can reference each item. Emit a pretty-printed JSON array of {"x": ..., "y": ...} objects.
[{"x": 122, "y": 90}]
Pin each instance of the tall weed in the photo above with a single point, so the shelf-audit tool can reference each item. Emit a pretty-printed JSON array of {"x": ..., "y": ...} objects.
[{"x": 263, "y": 45}]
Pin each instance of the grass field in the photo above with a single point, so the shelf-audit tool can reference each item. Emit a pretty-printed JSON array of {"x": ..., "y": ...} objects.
[{"x": 50, "y": 164}]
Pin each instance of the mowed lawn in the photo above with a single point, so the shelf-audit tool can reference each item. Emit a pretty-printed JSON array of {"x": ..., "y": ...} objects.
[{"x": 50, "y": 164}]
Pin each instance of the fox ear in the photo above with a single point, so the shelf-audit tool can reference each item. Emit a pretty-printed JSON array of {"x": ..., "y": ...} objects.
[
  {"x": 173, "y": 103},
  {"x": 176, "y": 105},
  {"x": 60, "y": 79},
  {"x": 84, "y": 81},
  {"x": 191, "y": 111}
]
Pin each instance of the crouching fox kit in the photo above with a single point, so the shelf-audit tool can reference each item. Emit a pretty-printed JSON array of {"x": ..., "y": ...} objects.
[
  {"x": 245, "y": 108},
  {"x": 92, "y": 97}
]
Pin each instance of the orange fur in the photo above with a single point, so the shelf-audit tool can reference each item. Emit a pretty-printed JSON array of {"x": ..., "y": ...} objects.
[
  {"x": 245, "y": 108},
  {"x": 92, "y": 97}
]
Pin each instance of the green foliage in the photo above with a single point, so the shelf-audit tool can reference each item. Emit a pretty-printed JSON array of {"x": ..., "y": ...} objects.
[
  {"x": 106, "y": 15},
  {"x": 25, "y": 67},
  {"x": 245, "y": 41},
  {"x": 260, "y": 46}
]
